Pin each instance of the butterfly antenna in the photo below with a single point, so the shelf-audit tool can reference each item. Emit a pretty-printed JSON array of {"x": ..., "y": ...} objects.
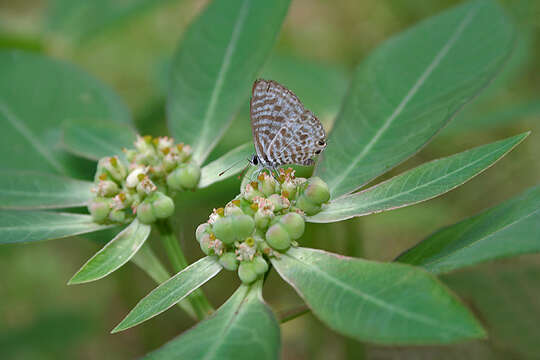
[
  {"x": 244, "y": 171},
  {"x": 233, "y": 165}
]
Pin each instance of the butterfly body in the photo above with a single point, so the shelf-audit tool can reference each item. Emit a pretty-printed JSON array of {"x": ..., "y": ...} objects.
[{"x": 284, "y": 132}]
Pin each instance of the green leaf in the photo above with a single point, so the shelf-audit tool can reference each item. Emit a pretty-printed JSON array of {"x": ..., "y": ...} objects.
[
  {"x": 34, "y": 190},
  {"x": 37, "y": 95},
  {"x": 112, "y": 256},
  {"x": 409, "y": 88},
  {"x": 82, "y": 19},
  {"x": 93, "y": 139},
  {"x": 28, "y": 226},
  {"x": 233, "y": 161},
  {"x": 213, "y": 70},
  {"x": 508, "y": 229},
  {"x": 377, "y": 302},
  {"x": 147, "y": 260},
  {"x": 239, "y": 329},
  {"x": 419, "y": 184},
  {"x": 171, "y": 292}
]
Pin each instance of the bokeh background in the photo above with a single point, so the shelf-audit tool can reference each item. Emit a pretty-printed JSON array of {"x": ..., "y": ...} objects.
[{"x": 321, "y": 42}]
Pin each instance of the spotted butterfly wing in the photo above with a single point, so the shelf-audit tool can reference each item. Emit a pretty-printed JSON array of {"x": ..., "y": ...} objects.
[{"x": 284, "y": 132}]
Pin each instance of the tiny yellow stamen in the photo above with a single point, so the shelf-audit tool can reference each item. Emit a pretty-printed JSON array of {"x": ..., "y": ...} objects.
[
  {"x": 103, "y": 176},
  {"x": 220, "y": 212}
]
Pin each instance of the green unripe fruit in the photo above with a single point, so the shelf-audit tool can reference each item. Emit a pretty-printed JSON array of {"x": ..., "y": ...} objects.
[
  {"x": 307, "y": 206},
  {"x": 99, "y": 208},
  {"x": 278, "y": 237},
  {"x": 294, "y": 224},
  {"x": 243, "y": 226},
  {"x": 223, "y": 229},
  {"x": 247, "y": 273},
  {"x": 201, "y": 230},
  {"x": 260, "y": 265},
  {"x": 317, "y": 191},
  {"x": 118, "y": 216},
  {"x": 228, "y": 261},
  {"x": 186, "y": 176},
  {"x": 162, "y": 205},
  {"x": 145, "y": 213},
  {"x": 206, "y": 244}
]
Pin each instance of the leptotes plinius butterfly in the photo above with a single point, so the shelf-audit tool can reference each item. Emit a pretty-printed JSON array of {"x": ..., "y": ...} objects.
[{"x": 284, "y": 132}]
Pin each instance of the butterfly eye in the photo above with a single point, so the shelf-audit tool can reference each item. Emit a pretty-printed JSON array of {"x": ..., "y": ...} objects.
[
  {"x": 255, "y": 160},
  {"x": 321, "y": 143}
]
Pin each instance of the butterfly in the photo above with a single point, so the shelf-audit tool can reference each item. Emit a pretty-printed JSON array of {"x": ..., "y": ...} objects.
[{"x": 284, "y": 131}]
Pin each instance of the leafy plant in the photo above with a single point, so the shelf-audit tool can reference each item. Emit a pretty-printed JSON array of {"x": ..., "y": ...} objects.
[{"x": 400, "y": 97}]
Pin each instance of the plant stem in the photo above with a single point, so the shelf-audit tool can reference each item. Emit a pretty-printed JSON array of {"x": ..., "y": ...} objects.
[{"x": 198, "y": 300}]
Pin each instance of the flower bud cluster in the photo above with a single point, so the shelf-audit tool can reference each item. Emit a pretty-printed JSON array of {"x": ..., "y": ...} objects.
[
  {"x": 156, "y": 169},
  {"x": 263, "y": 221}
]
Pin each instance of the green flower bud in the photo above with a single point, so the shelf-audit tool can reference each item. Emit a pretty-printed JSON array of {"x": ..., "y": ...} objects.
[
  {"x": 162, "y": 205},
  {"x": 223, "y": 229},
  {"x": 107, "y": 188},
  {"x": 113, "y": 167},
  {"x": 307, "y": 205},
  {"x": 279, "y": 202},
  {"x": 146, "y": 186},
  {"x": 135, "y": 177},
  {"x": 278, "y": 237},
  {"x": 201, "y": 230},
  {"x": 232, "y": 209},
  {"x": 317, "y": 191},
  {"x": 294, "y": 224},
  {"x": 117, "y": 216},
  {"x": 99, "y": 208},
  {"x": 186, "y": 176},
  {"x": 243, "y": 226},
  {"x": 206, "y": 244},
  {"x": 262, "y": 218},
  {"x": 250, "y": 191},
  {"x": 145, "y": 213},
  {"x": 247, "y": 207},
  {"x": 260, "y": 265},
  {"x": 247, "y": 273},
  {"x": 228, "y": 261},
  {"x": 267, "y": 184},
  {"x": 289, "y": 187}
]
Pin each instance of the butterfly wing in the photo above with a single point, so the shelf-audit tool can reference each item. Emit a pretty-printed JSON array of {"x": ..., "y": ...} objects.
[{"x": 284, "y": 132}]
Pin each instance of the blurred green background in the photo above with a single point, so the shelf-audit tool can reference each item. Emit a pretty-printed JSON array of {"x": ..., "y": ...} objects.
[{"x": 127, "y": 44}]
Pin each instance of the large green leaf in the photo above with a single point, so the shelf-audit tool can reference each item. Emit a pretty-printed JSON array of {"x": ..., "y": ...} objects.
[
  {"x": 242, "y": 328},
  {"x": 409, "y": 88},
  {"x": 37, "y": 95},
  {"x": 94, "y": 139},
  {"x": 34, "y": 190},
  {"x": 377, "y": 302},
  {"x": 419, "y": 184},
  {"x": 215, "y": 66},
  {"x": 508, "y": 229},
  {"x": 171, "y": 292},
  {"x": 112, "y": 256},
  {"x": 82, "y": 19},
  {"x": 28, "y": 226},
  {"x": 233, "y": 162}
]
